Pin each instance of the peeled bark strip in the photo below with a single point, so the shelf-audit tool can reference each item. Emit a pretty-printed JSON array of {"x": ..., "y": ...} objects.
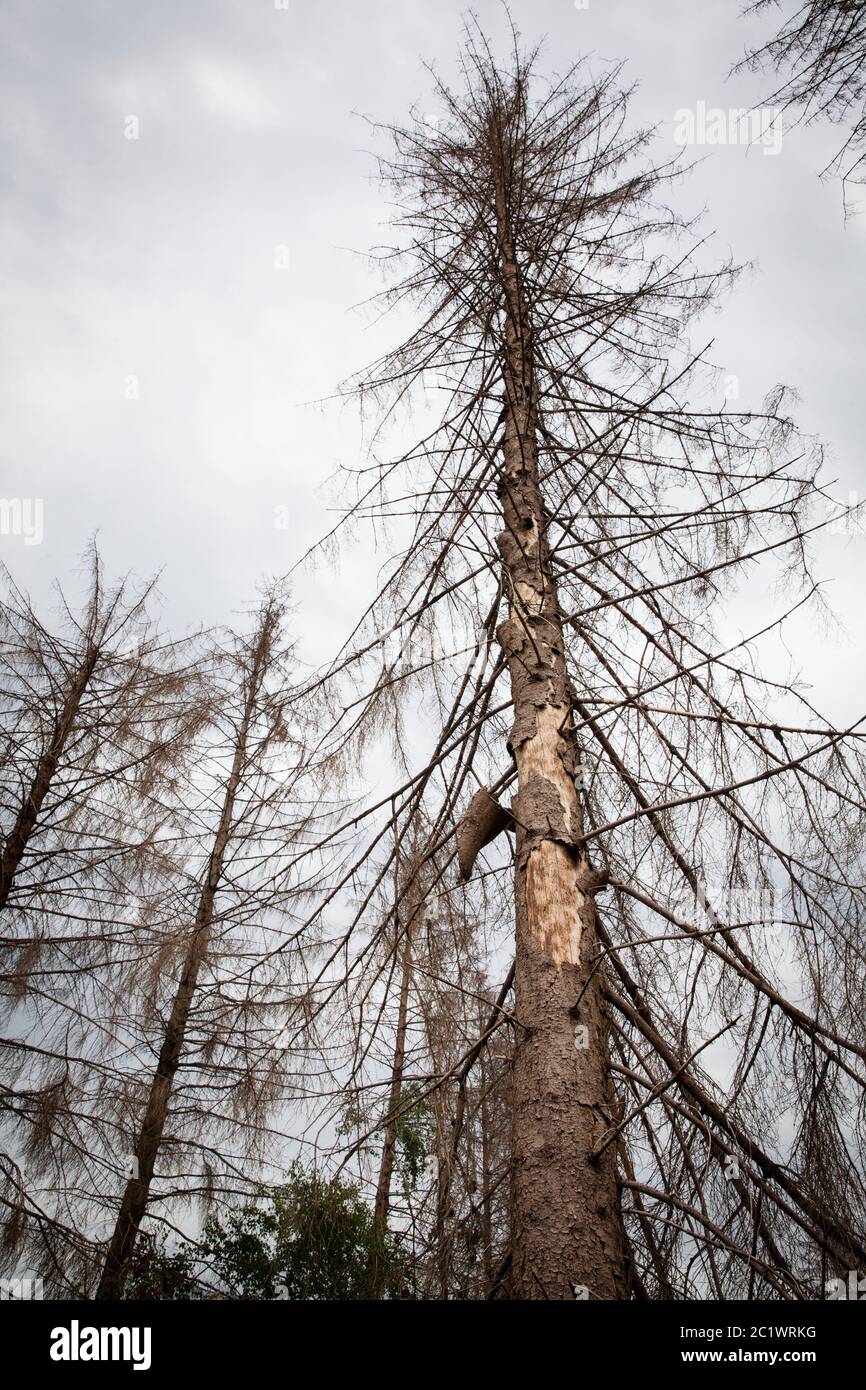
[
  {"x": 483, "y": 821},
  {"x": 567, "y": 1234}
]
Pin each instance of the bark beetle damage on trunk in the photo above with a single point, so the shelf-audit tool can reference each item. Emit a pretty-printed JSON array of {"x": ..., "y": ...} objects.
[
  {"x": 558, "y": 877},
  {"x": 567, "y": 1235}
]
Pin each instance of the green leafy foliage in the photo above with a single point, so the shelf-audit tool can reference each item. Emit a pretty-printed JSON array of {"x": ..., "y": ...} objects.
[
  {"x": 414, "y": 1133},
  {"x": 156, "y": 1275},
  {"x": 310, "y": 1238}
]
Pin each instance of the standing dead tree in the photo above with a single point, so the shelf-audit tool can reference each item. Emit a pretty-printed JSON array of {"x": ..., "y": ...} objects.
[
  {"x": 94, "y": 710},
  {"x": 83, "y": 708},
  {"x": 223, "y": 987},
  {"x": 444, "y": 1208},
  {"x": 408, "y": 921},
  {"x": 819, "y": 52},
  {"x": 687, "y": 1075},
  {"x": 420, "y": 1078}
]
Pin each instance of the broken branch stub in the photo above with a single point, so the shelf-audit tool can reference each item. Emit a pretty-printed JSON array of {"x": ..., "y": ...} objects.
[{"x": 483, "y": 820}]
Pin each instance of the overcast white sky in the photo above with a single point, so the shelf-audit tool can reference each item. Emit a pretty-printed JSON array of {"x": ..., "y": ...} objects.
[{"x": 154, "y": 258}]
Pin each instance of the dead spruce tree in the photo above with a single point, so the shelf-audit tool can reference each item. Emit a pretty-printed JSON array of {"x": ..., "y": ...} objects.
[
  {"x": 417, "y": 1011},
  {"x": 687, "y": 1074},
  {"x": 416, "y": 1079},
  {"x": 225, "y": 991},
  {"x": 465, "y": 1236},
  {"x": 407, "y": 922},
  {"x": 84, "y": 706},
  {"x": 819, "y": 53},
  {"x": 94, "y": 708}
]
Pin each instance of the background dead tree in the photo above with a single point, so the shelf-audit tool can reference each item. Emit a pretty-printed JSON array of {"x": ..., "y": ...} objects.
[
  {"x": 469, "y": 1230},
  {"x": 95, "y": 709},
  {"x": 683, "y": 1054},
  {"x": 409, "y": 902},
  {"x": 227, "y": 990},
  {"x": 819, "y": 53},
  {"x": 441, "y": 1177}
]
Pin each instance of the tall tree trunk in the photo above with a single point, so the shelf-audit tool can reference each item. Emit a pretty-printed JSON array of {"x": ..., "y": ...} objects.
[
  {"x": 389, "y": 1143},
  {"x": 137, "y": 1191},
  {"x": 28, "y": 814},
  {"x": 486, "y": 1203},
  {"x": 442, "y": 1233},
  {"x": 567, "y": 1233}
]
